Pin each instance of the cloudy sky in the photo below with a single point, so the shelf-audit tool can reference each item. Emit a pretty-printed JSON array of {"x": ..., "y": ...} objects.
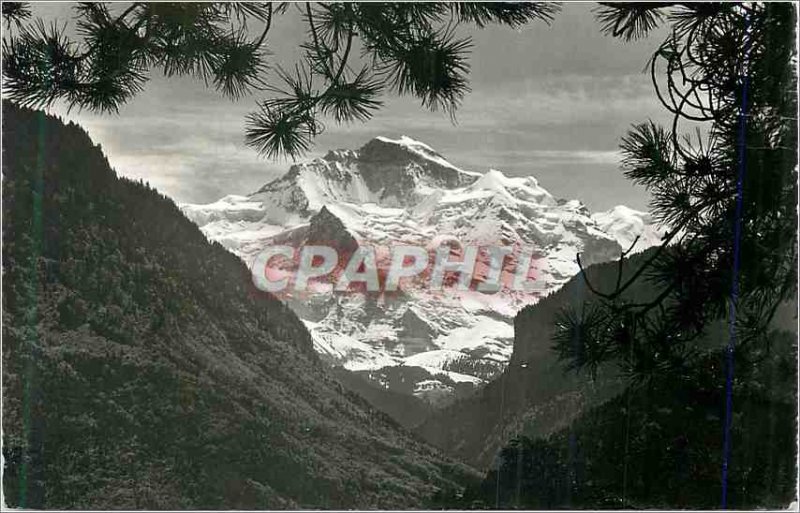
[{"x": 548, "y": 101}]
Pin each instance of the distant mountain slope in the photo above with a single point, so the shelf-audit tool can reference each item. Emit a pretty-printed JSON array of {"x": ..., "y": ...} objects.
[
  {"x": 407, "y": 410},
  {"x": 141, "y": 370},
  {"x": 389, "y": 192},
  {"x": 661, "y": 446},
  {"x": 626, "y": 224},
  {"x": 535, "y": 395},
  {"x": 558, "y": 437}
]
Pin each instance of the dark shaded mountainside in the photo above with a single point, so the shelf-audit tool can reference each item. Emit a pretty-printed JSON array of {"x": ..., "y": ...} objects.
[
  {"x": 142, "y": 370},
  {"x": 535, "y": 396},
  {"x": 552, "y": 438}
]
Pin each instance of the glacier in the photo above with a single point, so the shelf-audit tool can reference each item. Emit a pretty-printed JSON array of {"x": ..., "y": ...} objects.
[{"x": 433, "y": 344}]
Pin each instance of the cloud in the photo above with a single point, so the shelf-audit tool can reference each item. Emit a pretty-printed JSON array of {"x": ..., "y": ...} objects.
[
  {"x": 576, "y": 157},
  {"x": 551, "y": 101}
]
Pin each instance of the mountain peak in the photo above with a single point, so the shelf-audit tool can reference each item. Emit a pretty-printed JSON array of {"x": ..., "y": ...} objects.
[
  {"x": 340, "y": 155},
  {"x": 404, "y": 142},
  {"x": 327, "y": 229},
  {"x": 213, "y": 388},
  {"x": 384, "y": 149},
  {"x": 626, "y": 224},
  {"x": 403, "y": 192}
]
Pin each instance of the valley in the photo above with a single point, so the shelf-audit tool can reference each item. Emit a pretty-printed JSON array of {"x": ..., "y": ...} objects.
[{"x": 435, "y": 345}]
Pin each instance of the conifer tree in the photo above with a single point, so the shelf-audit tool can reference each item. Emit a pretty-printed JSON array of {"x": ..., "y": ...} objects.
[
  {"x": 407, "y": 48},
  {"x": 723, "y": 182}
]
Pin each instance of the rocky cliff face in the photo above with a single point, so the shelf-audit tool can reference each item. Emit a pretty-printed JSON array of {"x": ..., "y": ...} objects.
[{"x": 402, "y": 191}]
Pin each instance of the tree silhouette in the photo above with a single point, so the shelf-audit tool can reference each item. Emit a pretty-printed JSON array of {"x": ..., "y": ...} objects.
[
  {"x": 408, "y": 48},
  {"x": 727, "y": 195},
  {"x": 14, "y": 13}
]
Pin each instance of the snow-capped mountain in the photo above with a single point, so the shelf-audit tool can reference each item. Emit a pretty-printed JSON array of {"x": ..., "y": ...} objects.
[
  {"x": 625, "y": 224},
  {"x": 429, "y": 343}
]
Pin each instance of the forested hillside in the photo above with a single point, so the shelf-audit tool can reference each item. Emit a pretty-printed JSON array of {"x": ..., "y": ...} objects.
[
  {"x": 660, "y": 446},
  {"x": 552, "y": 438},
  {"x": 535, "y": 395},
  {"x": 142, "y": 370}
]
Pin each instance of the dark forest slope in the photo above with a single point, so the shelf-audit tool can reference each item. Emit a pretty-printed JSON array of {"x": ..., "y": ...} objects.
[
  {"x": 661, "y": 445},
  {"x": 141, "y": 369},
  {"x": 535, "y": 396},
  {"x": 551, "y": 439}
]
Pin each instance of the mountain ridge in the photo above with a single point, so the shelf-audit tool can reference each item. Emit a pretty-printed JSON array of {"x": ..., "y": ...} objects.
[
  {"x": 401, "y": 191},
  {"x": 143, "y": 370}
]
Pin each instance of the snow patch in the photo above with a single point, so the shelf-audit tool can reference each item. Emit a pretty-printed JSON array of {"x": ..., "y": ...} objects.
[{"x": 482, "y": 209}]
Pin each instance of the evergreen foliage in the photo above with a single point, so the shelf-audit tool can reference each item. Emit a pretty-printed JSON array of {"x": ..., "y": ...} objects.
[
  {"x": 408, "y": 48},
  {"x": 727, "y": 197},
  {"x": 550, "y": 440},
  {"x": 659, "y": 447},
  {"x": 141, "y": 369},
  {"x": 728, "y": 200}
]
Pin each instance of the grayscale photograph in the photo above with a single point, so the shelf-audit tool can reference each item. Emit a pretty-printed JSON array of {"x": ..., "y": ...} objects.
[{"x": 399, "y": 256}]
